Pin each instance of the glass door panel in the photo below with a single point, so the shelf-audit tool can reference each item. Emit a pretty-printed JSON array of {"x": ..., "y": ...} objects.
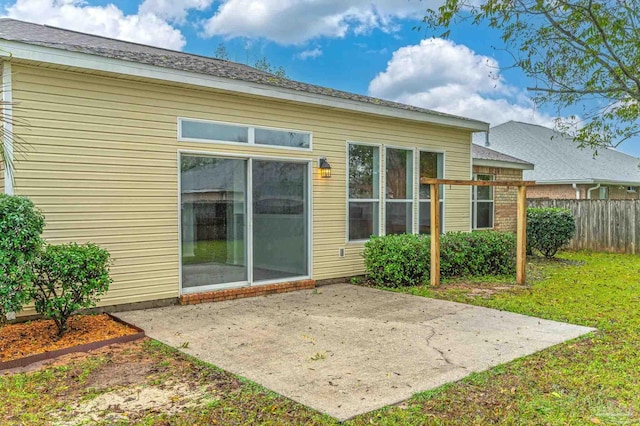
[
  {"x": 280, "y": 220},
  {"x": 213, "y": 194}
]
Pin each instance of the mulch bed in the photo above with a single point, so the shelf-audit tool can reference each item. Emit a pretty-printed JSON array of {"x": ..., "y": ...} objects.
[{"x": 36, "y": 337}]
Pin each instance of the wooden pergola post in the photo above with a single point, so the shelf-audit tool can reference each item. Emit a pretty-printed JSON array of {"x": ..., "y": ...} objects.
[
  {"x": 435, "y": 235},
  {"x": 521, "y": 222},
  {"x": 521, "y": 236}
]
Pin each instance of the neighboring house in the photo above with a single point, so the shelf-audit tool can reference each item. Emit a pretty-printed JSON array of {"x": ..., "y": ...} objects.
[
  {"x": 200, "y": 174},
  {"x": 495, "y": 207},
  {"x": 562, "y": 170}
]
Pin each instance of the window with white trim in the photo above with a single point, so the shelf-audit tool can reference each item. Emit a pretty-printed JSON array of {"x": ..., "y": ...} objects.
[
  {"x": 211, "y": 131},
  {"x": 364, "y": 191},
  {"x": 482, "y": 203},
  {"x": 431, "y": 166},
  {"x": 398, "y": 191}
]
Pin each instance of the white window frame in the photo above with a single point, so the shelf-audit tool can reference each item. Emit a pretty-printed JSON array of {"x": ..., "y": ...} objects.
[
  {"x": 250, "y": 138},
  {"x": 474, "y": 201},
  {"x": 379, "y": 200}
]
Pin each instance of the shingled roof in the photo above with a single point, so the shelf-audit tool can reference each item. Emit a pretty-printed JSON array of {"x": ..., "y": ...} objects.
[
  {"x": 73, "y": 41},
  {"x": 558, "y": 159},
  {"x": 488, "y": 157}
]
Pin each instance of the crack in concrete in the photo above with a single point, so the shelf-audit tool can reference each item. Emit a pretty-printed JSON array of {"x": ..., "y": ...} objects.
[{"x": 444, "y": 357}]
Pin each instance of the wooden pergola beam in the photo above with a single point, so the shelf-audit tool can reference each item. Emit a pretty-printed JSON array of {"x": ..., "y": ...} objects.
[
  {"x": 432, "y": 181},
  {"x": 521, "y": 222}
]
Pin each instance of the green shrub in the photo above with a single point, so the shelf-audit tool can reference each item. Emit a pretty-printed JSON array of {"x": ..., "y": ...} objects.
[
  {"x": 69, "y": 277},
  {"x": 399, "y": 260},
  {"x": 21, "y": 224},
  {"x": 549, "y": 229},
  {"x": 477, "y": 253}
]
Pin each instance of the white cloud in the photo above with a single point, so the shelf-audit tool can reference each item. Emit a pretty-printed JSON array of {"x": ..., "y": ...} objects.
[
  {"x": 173, "y": 10},
  {"x": 109, "y": 21},
  {"x": 441, "y": 75},
  {"x": 310, "y": 53},
  {"x": 297, "y": 21}
]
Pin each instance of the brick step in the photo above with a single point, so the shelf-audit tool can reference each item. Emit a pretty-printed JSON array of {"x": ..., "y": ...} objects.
[{"x": 242, "y": 292}]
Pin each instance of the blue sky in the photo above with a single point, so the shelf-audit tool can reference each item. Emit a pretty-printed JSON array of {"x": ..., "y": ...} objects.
[{"x": 361, "y": 46}]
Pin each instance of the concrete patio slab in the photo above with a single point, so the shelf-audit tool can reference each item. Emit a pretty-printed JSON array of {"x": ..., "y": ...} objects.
[{"x": 346, "y": 350}]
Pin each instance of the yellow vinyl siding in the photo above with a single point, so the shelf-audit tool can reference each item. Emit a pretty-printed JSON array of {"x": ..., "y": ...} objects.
[{"x": 102, "y": 165}]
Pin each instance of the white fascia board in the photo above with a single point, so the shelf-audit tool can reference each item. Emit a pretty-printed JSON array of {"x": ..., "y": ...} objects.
[
  {"x": 99, "y": 63},
  {"x": 588, "y": 182},
  {"x": 616, "y": 182},
  {"x": 501, "y": 164}
]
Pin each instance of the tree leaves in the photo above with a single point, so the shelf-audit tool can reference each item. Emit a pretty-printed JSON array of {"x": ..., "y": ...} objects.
[{"x": 578, "y": 53}]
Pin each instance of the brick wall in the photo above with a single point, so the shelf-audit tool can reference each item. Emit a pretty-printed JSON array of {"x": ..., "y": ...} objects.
[
  {"x": 558, "y": 192},
  {"x": 566, "y": 192},
  {"x": 618, "y": 193},
  {"x": 505, "y": 198}
]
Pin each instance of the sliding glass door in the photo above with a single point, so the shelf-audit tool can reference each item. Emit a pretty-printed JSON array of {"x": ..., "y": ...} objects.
[
  {"x": 243, "y": 221},
  {"x": 214, "y": 211}
]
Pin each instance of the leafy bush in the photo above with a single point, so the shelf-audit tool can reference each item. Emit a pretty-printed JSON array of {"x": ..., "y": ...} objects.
[
  {"x": 69, "y": 277},
  {"x": 21, "y": 224},
  {"x": 399, "y": 260},
  {"x": 477, "y": 253},
  {"x": 549, "y": 229}
]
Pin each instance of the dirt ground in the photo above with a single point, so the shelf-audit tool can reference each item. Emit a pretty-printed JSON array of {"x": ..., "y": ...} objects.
[{"x": 126, "y": 382}]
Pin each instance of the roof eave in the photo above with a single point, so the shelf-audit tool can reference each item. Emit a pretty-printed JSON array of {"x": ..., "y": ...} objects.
[
  {"x": 617, "y": 182},
  {"x": 19, "y": 50},
  {"x": 502, "y": 164}
]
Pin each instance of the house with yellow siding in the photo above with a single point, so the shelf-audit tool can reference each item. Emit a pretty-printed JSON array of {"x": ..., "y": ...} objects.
[{"x": 207, "y": 177}]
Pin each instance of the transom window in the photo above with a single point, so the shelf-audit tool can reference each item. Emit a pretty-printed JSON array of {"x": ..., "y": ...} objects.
[
  {"x": 400, "y": 193},
  {"x": 482, "y": 203},
  {"x": 211, "y": 131}
]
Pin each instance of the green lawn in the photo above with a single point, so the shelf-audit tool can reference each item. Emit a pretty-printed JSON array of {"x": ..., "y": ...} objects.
[{"x": 592, "y": 380}]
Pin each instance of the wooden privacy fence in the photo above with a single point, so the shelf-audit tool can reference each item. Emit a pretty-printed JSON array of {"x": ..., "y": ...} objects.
[{"x": 602, "y": 225}]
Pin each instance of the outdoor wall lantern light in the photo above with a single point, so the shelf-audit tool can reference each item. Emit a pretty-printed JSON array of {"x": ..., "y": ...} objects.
[{"x": 324, "y": 167}]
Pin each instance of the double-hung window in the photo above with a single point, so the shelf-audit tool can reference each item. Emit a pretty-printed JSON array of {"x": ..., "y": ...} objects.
[
  {"x": 398, "y": 191},
  {"x": 482, "y": 203},
  {"x": 430, "y": 167},
  {"x": 364, "y": 191}
]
